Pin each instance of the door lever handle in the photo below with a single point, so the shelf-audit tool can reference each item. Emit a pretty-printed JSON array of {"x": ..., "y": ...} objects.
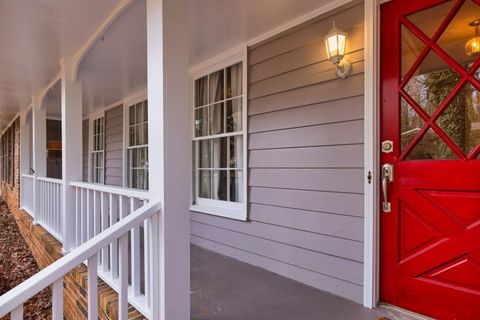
[{"x": 387, "y": 177}]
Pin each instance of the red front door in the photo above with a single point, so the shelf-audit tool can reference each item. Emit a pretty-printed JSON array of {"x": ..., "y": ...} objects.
[{"x": 430, "y": 111}]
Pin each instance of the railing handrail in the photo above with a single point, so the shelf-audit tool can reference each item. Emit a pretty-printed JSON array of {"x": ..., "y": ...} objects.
[
  {"x": 29, "y": 176},
  {"x": 27, "y": 289},
  {"x": 145, "y": 195},
  {"x": 52, "y": 180}
]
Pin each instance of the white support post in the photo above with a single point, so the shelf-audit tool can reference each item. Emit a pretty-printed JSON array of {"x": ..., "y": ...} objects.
[
  {"x": 168, "y": 116},
  {"x": 39, "y": 141},
  {"x": 24, "y": 154},
  {"x": 71, "y": 149}
]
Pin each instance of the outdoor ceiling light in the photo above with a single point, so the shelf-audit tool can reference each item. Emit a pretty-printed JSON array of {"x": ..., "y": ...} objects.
[
  {"x": 473, "y": 45},
  {"x": 335, "y": 44}
]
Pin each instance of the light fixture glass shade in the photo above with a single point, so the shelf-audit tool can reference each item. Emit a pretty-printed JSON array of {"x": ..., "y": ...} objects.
[
  {"x": 473, "y": 46},
  {"x": 335, "y": 43}
]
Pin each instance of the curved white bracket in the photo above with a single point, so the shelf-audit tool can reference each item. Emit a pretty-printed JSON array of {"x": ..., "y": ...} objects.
[
  {"x": 40, "y": 97},
  {"x": 344, "y": 68},
  {"x": 80, "y": 54}
]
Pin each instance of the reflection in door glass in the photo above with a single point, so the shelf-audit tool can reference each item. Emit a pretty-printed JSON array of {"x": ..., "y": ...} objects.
[
  {"x": 431, "y": 147},
  {"x": 411, "y": 48},
  {"x": 431, "y": 82},
  {"x": 461, "y": 119},
  {"x": 410, "y": 124},
  {"x": 459, "y": 32},
  {"x": 429, "y": 20}
]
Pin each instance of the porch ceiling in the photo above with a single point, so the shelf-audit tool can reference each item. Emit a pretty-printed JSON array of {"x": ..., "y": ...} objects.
[
  {"x": 34, "y": 35},
  {"x": 218, "y": 25}
]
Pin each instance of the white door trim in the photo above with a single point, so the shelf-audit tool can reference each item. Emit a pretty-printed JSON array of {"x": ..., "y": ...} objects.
[{"x": 371, "y": 267}]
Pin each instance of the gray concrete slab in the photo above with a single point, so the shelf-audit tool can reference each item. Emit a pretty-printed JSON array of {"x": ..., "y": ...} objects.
[{"x": 227, "y": 289}]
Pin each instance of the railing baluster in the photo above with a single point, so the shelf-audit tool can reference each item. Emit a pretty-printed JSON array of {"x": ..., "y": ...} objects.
[
  {"x": 49, "y": 204},
  {"x": 17, "y": 313},
  {"x": 146, "y": 262},
  {"x": 123, "y": 292},
  {"x": 82, "y": 216},
  {"x": 57, "y": 300},
  {"x": 126, "y": 253},
  {"x": 89, "y": 215},
  {"x": 114, "y": 247},
  {"x": 136, "y": 254},
  {"x": 105, "y": 253},
  {"x": 77, "y": 216},
  {"x": 92, "y": 288}
]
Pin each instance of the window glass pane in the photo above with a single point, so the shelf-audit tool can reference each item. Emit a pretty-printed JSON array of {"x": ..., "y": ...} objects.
[
  {"x": 234, "y": 115},
  {"x": 139, "y": 113},
  {"x": 201, "y": 122},
  {"x": 431, "y": 83},
  {"x": 461, "y": 119},
  {"x": 145, "y": 110},
  {"x": 216, "y": 119},
  {"x": 236, "y": 186},
  {"x": 132, "y": 136},
  {"x": 236, "y": 152},
  {"x": 201, "y": 91},
  {"x": 216, "y": 86},
  {"x": 131, "y": 115},
  {"x": 139, "y": 158},
  {"x": 429, "y": 20},
  {"x": 204, "y": 184},
  {"x": 234, "y": 81},
  {"x": 219, "y": 185},
  {"x": 145, "y": 133},
  {"x": 458, "y": 33},
  {"x": 219, "y": 147},
  {"x": 431, "y": 147},
  {"x": 204, "y": 153},
  {"x": 410, "y": 124}
]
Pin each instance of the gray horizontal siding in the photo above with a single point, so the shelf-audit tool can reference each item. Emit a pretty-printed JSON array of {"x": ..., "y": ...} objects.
[
  {"x": 114, "y": 146},
  {"x": 305, "y": 163}
]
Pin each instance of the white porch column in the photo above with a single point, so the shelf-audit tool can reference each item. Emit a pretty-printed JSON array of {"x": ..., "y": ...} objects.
[
  {"x": 169, "y": 162},
  {"x": 24, "y": 153},
  {"x": 39, "y": 148},
  {"x": 71, "y": 149}
]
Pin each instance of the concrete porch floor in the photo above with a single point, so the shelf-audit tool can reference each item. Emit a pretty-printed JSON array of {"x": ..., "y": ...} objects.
[{"x": 224, "y": 288}]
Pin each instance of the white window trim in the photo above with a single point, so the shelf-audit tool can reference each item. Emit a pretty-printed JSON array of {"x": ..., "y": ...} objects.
[
  {"x": 238, "y": 211},
  {"x": 91, "y": 120},
  {"x": 100, "y": 111},
  {"x": 127, "y": 103}
]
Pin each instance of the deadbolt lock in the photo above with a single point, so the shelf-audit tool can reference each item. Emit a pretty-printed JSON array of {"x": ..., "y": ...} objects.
[{"x": 387, "y": 146}]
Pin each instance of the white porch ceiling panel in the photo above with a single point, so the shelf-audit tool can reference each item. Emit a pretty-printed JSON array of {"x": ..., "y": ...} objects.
[
  {"x": 218, "y": 25},
  {"x": 116, "y": 66},
  {"x": 34, "y": 35}
]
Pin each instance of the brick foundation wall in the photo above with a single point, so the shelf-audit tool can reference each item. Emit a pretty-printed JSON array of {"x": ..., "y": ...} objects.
[{"x": 46, "y": 250}]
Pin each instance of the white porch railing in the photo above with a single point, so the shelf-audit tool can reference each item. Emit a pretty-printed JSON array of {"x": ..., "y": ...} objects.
[
  {"x": 97, "y": 208},
  {"x": 27, "y": 193},
  {"x": 12, "y": 301},
  {"x": 49, "y": 208}
]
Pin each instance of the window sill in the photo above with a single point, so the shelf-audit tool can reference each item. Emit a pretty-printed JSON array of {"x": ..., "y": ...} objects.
[{"x": 231, "y": 213}]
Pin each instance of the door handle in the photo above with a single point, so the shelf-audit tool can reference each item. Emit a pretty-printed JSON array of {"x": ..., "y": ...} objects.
[{"x": 387, "y": 177}]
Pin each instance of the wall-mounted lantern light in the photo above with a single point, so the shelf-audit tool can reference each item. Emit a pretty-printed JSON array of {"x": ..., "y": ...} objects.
[
  {"x": 335, "y": 44},
  {"x": 473, "y": 45}
]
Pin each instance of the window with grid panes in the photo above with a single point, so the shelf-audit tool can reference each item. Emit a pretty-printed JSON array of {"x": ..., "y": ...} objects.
[
  {"x": 137, "y": 150},
  {"x": 218, "y": 140},
  {"x": 98, "y": 150}
]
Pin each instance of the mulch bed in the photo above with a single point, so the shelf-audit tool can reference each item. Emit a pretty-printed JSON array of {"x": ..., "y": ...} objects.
[{"x": 17, "y": 265}]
